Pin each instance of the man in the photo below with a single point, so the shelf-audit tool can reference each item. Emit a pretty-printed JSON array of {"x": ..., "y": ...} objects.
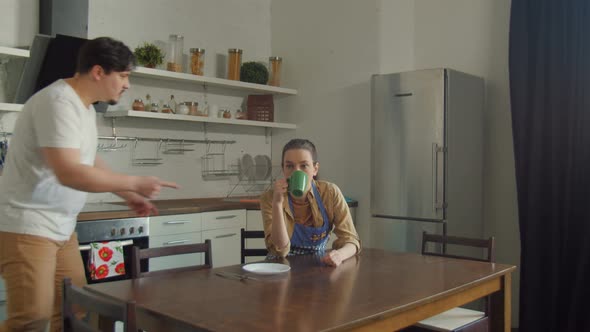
[{"x": 50, "y": 167}]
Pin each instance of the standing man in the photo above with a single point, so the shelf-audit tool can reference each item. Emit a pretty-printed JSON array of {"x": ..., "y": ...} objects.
[{"x": 51, "y": 166}]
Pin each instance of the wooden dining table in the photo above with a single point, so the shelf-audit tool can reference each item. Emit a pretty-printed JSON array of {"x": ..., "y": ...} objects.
[{"x": 376, "y": 290}]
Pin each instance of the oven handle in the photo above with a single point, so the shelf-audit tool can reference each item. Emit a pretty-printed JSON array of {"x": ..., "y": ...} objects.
[{"x": 123, "y": 243}]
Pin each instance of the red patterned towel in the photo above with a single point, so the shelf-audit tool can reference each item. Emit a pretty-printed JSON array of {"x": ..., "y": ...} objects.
[{"x": 106, "y": 260}]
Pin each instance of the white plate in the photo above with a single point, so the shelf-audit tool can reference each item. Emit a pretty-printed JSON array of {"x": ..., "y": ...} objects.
[{"x": 266, "y": 268}]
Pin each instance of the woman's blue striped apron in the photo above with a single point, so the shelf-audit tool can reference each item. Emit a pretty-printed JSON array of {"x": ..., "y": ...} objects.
[{"x": 310, "y": 240}]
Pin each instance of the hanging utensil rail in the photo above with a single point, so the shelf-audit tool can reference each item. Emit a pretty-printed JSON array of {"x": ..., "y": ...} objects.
[{"x": 176, "y": 140}]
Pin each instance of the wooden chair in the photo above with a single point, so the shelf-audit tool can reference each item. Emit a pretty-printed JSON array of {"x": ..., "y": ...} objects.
[
  {"x": 458, "y": 319},
  {"x": 140, "y": 254},
  {"x": 251, "y": 252},
  {"x": 91, "y": 303}
]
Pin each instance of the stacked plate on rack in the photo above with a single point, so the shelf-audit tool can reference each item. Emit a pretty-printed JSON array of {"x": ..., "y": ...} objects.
[{"x": 254, "y": 169}]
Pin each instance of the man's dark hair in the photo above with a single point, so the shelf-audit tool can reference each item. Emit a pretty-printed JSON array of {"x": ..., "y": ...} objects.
[{"x": 110, "y": 54}]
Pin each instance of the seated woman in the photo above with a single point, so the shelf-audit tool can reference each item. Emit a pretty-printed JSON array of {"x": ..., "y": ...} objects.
[{"x": 302, "y": 225}]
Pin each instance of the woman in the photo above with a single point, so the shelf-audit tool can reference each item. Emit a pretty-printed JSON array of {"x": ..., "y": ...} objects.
[{"x": 302, "y": 225}]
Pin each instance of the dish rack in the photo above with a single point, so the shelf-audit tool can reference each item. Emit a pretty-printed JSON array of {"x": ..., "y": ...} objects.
[
  {"x": 213, "y": 165},
  {"x": 245, "y": 186}
]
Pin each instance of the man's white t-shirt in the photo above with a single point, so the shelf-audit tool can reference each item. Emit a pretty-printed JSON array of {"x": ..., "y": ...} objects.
[{"x": 32, "y": 201}]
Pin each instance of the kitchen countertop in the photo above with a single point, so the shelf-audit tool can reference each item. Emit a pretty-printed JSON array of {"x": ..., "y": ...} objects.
[{"x": 118, "y": 210}]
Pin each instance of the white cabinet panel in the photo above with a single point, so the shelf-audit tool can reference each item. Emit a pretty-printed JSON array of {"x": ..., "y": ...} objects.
[
  {"x": 225, "y": 245},
  {"x": 162, "y": 263},
  {"x": 224, "y": 219},
  {"x": 254, "y": 223},
  {"x": 175, "y": 224}
]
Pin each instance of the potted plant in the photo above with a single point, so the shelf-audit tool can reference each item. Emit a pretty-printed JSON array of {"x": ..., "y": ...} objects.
[
  {"x": 149, "y": 55},
  {"x": 254, "y": 72}
]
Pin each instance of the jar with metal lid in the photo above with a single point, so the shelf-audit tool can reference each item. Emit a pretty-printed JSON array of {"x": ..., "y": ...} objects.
[
  {"x": 234, "y": 62},
  {"x": 154, "y": 107},
  {"x": 138, "y": 105},
  {"x": 192, "y": 107},
  {"x": 197, "y": 60},
  {"x": 167, "y": 109},
  {"x": 175, "y": 49},
  {"x": 182, "y": 109},
  {"x": 274, "y": 64}
]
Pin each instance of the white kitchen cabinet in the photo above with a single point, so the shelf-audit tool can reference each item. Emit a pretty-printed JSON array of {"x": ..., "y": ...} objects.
[
  {"x": 174, "y": 230},
  {"x": 223, "y": 229},
  {"x": 225, "y": 246},
  {"x": 254, "y": 223}
]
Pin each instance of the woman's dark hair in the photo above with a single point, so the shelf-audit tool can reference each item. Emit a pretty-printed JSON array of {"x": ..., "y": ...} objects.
[
  {"x": 300, "y": 143},
  {"x": 110, "y": 54}
]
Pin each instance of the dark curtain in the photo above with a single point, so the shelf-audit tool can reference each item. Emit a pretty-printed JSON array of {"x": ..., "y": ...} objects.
[{"x": 550, "y": 101}]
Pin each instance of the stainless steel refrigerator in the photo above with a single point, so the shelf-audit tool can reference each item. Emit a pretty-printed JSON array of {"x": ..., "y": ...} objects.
[{"x": 426, "y": 149}]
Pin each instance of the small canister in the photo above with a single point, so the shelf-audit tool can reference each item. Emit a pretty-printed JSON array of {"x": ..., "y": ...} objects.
[
  {"x": 192, "y": 107},
  {"x": 182, "y": 108},
  {"x": 166, "y": 109},
  {"x": 197, "y": 60},
  {"x": 234, "y": 62},
  {"x": 138, "y": 105},
  {"x": 155, "y": 108}
]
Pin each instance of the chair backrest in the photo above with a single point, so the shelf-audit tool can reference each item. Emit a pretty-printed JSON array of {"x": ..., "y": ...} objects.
[
  {"x": 251, "y": 252},
  {"x": 85, "y": 301},
  {"x": 488, "y": 244},
  {"x": 140, "y": 254}
]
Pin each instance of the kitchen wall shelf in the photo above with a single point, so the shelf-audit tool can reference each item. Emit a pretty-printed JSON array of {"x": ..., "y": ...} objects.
[
  {"x": 211, "y": 81},
  {"x": 7, "y": 107},
  {"x": 178, "y": 117},
  {"x": 10, "y": 52}
]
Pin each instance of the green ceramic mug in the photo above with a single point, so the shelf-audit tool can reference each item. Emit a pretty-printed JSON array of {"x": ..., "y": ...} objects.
[{"x": 297, "y": 183}]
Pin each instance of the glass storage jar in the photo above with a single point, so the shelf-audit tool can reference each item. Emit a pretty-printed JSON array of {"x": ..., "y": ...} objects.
[
  {"x": 174, "y": 56},
  {"x": 138, "y": 105},
  {"x": 197, "y": 60},
  {"x": 234, "y": 62},
  {"x": 274, "y": 64}
]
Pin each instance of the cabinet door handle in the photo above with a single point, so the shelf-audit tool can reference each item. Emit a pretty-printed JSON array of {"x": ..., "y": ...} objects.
[
  {"x": 225, "y": 235},
  {"x": 175, "y": 222},
  {"x": 174, "y": 242},
  {"x": 226, "y": 217}
]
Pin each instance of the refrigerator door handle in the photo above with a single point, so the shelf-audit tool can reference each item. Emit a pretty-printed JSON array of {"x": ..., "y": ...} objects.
[{"x": 437, "y": 205}]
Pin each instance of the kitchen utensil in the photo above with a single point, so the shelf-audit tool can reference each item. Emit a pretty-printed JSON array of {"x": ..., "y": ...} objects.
[
  {"x": 266, "y": 268},
  {"x": 236, "y": 276}
]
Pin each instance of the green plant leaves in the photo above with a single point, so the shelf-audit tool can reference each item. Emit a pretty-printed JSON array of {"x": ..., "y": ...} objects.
[{"x": 254, "y": 72}]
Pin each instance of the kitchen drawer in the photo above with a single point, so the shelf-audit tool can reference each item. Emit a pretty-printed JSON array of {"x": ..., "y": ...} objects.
[
  {"x": 224, "y": 219},
  {"x": 175, "y": 224},
  {"x": 225, "y": 245},
  {"x": 169, "y": 262}
]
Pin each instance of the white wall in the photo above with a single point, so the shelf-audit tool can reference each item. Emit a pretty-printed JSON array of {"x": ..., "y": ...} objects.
[
  {"x": 214, "y": 26},
  {"x": 329, "y": 55},
  {"x": 472, "y": 36},
  {"x": 16, "y": 26}
]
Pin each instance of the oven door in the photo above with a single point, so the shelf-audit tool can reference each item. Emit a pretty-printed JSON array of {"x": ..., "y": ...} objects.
[{"x": 141, "y": 242}]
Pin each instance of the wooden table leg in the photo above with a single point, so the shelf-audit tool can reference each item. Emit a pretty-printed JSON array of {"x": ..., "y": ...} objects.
[{"x": 501, "y": 306}]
